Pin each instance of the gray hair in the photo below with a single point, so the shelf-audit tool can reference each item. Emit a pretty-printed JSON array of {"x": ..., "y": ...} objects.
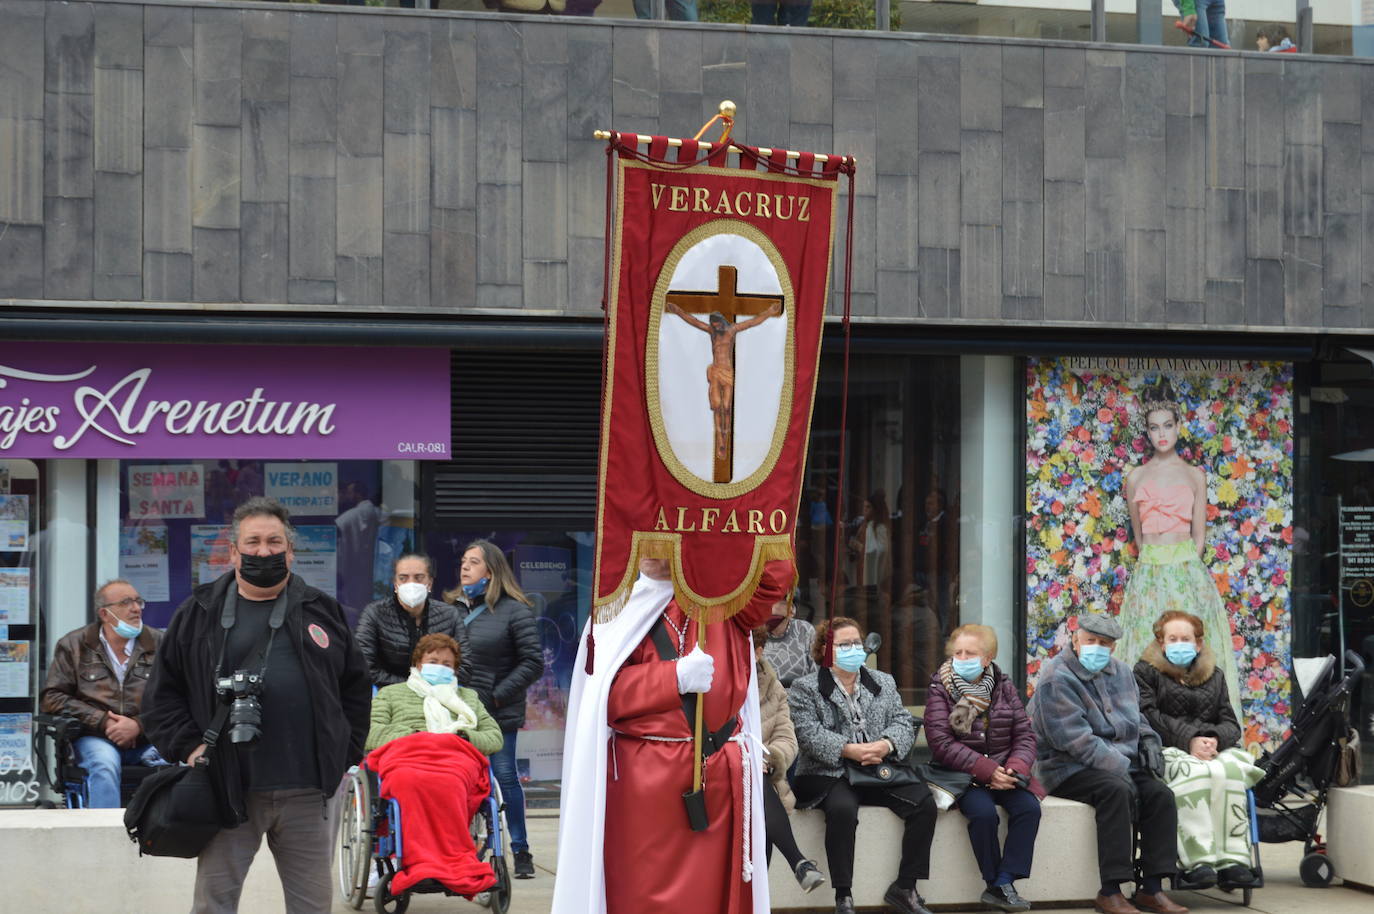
[
  {"x": 99, "y": 596},
  {"x": 260, "y": 506}
]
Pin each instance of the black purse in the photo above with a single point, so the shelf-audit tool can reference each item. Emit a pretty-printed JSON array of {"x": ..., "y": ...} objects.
[
  {"x": 886, "y": 773},
  {"x": 175, "y": 812},
  {"x": 947, "y": 785}
]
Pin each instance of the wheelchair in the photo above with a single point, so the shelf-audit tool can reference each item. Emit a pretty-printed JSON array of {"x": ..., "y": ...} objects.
[
  {"x": 371, "y": 838},
  {"x": 62, "y": 775}
]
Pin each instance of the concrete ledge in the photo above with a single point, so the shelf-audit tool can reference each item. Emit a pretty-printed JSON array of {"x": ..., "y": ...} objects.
[
  {"x": 1065, "y": 859},
  {"x": 81, "y": 860},
  {"x": 1350, "y": 833}
]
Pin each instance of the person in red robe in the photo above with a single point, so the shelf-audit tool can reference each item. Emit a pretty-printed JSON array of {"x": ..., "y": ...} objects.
[{"x": 653, "y": 861}]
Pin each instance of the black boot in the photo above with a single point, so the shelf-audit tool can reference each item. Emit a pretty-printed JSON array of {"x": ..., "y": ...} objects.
[{"x": 904, "y": 901}]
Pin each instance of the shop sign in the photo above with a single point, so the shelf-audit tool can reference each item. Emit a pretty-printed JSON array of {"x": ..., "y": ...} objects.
[{"x": 171, "y": 401}]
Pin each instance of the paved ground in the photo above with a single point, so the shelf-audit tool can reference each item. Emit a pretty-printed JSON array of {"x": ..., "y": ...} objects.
[{"x": 1283, "y": 894}]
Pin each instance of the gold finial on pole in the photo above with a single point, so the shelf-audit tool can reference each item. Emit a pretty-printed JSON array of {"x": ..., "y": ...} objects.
[{"x": 727, "y": 108}]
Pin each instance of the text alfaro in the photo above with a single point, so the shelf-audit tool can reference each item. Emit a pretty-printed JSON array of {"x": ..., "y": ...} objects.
[{"x": 711, "y": 520}]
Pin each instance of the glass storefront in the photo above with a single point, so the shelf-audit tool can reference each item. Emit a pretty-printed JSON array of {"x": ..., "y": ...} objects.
[{"x": 967, "y": 477}]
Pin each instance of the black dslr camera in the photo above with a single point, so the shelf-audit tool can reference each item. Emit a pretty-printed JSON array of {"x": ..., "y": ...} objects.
[{"x": 242, "y": 689}]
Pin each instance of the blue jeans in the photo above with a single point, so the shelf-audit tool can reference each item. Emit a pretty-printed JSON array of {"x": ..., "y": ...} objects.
[
  {"x": 503, "y": 766},
  {"x": 102, "y": 760},
  {"x": 678, "y": 10},
  {"x": 1013, "y": 858},
  {"x": 1211, "y": 23}
]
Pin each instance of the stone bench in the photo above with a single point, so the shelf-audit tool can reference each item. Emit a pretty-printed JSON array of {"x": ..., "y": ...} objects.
[
  {"x": 1350, "y": 833},
  {"x": 1065, "y": 859},
  {"x": 81, "y": 860}
]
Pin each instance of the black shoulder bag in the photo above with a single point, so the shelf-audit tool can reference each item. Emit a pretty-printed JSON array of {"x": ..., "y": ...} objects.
[{"x": 176, "y": 811}]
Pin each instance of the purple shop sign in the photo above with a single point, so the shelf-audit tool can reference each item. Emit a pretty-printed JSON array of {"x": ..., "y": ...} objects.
[{"x": 170, "y": 401}]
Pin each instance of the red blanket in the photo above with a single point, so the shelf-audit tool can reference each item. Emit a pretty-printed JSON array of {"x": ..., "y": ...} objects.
[{"x": 439, "y": 780}]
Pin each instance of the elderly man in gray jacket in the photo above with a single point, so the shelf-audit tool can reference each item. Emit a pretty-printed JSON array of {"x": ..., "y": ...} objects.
[{"x": 1096, "y": 748}]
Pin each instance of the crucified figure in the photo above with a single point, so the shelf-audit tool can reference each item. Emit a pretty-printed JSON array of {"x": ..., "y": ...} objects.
[{"x": 720, "y": 375}]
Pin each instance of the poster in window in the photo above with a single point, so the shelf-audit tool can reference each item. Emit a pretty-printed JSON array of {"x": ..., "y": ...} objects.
[
  {"x": 143, "y": 560},
  {"x": 14, "y": 596},
  {"x": 316, "y": 557},
  {"x": 305, "y": 489},
  {"x": 16, "y": 744},
  {"x": 1211, "y": 529},
  {"x": 14, "y": 523},
  {"x": 14, "y": 669},
  {"x": 166, "y": 490},
  {"x": 209, "y": 553}
]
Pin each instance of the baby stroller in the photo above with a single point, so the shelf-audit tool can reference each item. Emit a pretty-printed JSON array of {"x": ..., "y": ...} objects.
[{"x": 1298, "y": 775}]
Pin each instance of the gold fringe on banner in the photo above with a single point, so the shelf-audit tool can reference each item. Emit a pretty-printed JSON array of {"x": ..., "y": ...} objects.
[{"x": 706, "y": 610}]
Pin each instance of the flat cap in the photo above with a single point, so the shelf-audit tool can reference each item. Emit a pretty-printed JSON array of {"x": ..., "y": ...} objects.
[{"x": 1098, "y": 624}]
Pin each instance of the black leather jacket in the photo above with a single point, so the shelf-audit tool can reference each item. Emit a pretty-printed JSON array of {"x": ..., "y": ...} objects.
[
  {"x": 387, "y": 635},
  {"x": 503, "y": 642}
]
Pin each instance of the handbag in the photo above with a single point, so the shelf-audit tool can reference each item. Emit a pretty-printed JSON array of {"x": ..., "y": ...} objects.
[
  {"x": 175, "y": 812},
  {"x": 886, "y": 773},
  {"x": 946, "y": 784}
]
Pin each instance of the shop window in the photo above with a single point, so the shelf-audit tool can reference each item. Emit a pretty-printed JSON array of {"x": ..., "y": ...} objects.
[
  {"x": 899, "y": 527},
  {"x": 351, "y": 518},
  {"x": 20, "y": 510}
]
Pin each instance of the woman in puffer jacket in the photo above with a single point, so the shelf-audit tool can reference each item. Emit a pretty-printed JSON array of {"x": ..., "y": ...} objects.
[
  {"x": 1186, "y": 699},
  {"x": 780, "y": 739},
  {"x": 975, "y": 723},
  {"x": 389, "y": 628}
]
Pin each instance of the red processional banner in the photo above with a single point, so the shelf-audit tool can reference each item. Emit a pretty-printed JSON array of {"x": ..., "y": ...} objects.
[{"x": 717, "y": 288}]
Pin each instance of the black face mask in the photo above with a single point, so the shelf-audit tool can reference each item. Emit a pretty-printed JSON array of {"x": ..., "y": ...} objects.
[{"x": 263, "y": 570}]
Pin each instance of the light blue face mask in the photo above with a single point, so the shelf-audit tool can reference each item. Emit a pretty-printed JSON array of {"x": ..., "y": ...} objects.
[
  {"x": 1181, "y": 653},
  {"x": 436, "y": 673},
  {"x": 125, "y": 630},
  {"x": 474, "y": 591},
  {"x": 850, "y": 658},
  {"x": 968, "y": 670},
  {"x": 1094, "y": 657}
]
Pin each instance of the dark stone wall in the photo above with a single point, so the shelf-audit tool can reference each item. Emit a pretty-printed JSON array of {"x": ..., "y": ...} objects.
[{"x": 349, "y": 158}]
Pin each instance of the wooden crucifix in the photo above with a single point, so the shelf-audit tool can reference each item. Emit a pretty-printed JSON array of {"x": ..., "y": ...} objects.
[{"x": 722, "y": 308}]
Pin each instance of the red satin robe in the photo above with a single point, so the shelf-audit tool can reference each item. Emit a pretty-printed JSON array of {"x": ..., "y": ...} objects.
[{"x": 655, "y": 864}]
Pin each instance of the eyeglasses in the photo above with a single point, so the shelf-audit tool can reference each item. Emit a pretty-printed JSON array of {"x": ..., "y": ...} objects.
[
  {"x": 126, "y": 604},
  {"x": 840, "y": 644}
]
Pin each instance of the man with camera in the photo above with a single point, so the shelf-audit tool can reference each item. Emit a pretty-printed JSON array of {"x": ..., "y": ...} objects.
[
  {"x": 97, "y": 676},
  {"x": 279, "y": 654}
]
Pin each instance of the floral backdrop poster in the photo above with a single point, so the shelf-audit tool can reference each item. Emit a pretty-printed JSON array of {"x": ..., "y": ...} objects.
[{"x": 1085, "y": 434}]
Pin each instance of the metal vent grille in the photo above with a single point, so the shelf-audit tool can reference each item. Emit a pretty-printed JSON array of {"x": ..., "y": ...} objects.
[{"x": 525, "y": 437}]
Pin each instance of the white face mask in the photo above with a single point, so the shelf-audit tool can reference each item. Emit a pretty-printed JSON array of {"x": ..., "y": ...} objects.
[{"x": 412, "y": 593}]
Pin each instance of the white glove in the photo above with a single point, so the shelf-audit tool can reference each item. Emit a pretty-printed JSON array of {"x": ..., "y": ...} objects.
[{"x": 696, "y": 671}]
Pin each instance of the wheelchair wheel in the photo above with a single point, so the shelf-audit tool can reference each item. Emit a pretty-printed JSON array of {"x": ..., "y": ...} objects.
[
  {"x": 384, "y": 901},
  {"x": 1316, "y": 871},
  {"x": 500, "y": 893},
  {"x": 353, "y": 850}
]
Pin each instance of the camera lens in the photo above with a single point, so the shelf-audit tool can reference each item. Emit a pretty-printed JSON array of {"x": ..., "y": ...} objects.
[{"x": 245, "y": 719}]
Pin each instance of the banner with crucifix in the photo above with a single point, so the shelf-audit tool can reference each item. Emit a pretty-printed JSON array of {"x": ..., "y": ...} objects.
[{"x": 718, "y": 276}]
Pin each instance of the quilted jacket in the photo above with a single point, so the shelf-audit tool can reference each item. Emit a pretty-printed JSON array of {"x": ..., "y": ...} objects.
[
  {"x": 507, "y": 657},
  {"x": 1001, "y": 736},
  {"x": 387, "y": 635},
  {"x": 1184, "y": 702},
  {"x": 778, "y": 733}
]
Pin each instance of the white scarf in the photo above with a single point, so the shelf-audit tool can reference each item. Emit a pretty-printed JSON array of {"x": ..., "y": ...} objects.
[{"x": 445, "y": 712}]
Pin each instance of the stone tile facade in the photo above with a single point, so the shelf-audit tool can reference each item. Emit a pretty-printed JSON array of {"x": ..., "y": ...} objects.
[{"x": 428, "y": 162}]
